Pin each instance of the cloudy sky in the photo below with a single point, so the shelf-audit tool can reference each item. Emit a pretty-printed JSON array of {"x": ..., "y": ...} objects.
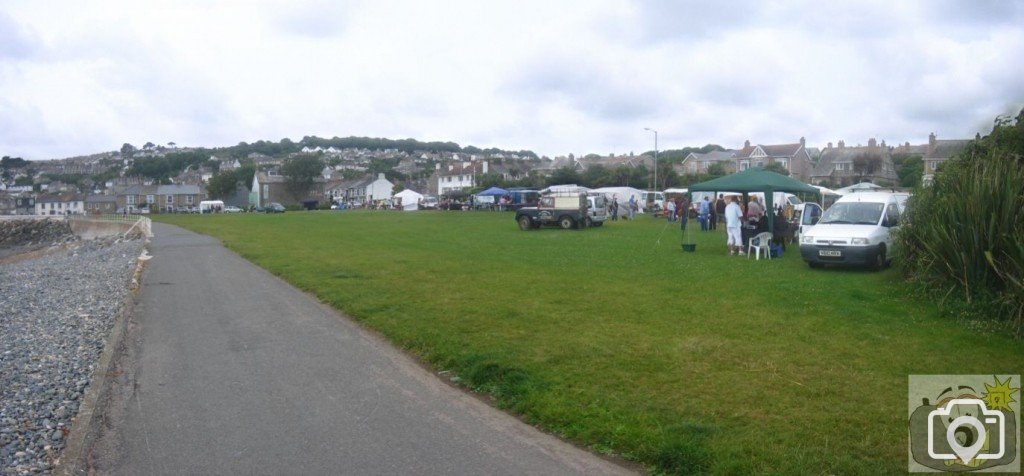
[{"x": 557, "y": 77}]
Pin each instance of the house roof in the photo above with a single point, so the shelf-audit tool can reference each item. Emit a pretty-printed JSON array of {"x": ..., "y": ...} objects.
[
  {"x": 140, "y": 190},
  {"x": 945, "y": 149},
  {"x": 62, "y": 198},
  {"x": 100, "y": 199},
  {"x": 713, "y": 156},
  {"x": 177, "y": 190},
  {"x": 781, "y": 150}
]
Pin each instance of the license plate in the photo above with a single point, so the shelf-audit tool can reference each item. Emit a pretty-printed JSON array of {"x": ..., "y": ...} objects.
[{"x": 833, "y": 253}]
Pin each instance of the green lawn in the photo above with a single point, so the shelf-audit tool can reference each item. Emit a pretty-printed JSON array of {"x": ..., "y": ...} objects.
[{"x": 614, "y": 338}]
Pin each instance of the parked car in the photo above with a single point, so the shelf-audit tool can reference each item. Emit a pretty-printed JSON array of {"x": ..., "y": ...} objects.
[
  {"x": 429, "y": 202},
  {"x": 274, "y": 208},
  {"x": 597, "y": 209},
  {"x": 232, "y": 209},
  {"x": 856, "y": 230},
  {"x": 566, "y": 210}
]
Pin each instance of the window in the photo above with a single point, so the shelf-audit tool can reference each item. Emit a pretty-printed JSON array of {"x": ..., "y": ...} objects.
[
  {"x": 744, "y": 164},
  {"x": 131, "y": 199},
  {"x": 760, "y": 163},
  {"x": 149, "y": 199},
  {"x": 190, "y": 199},
  {"x": 784, "y": 163},
  {"x": 840, "y": 167},
  {"x": 170, "y": 199}
]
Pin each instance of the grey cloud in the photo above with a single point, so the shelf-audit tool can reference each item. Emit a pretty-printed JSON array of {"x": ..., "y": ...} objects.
[
  {"x": 978, "y": 14},
  {"x": 667, "y": 20},
  {"x": 316, "y": 19},
  {"x": 596, "y": 90},
  {"x": 16, "y": 41}
]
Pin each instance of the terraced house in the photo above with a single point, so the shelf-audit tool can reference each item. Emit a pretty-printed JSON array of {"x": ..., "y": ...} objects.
[
  {"x": 63, "y": 204},
  {"x": 842, "y": 166},
  {"x": 160, "y": 198}
]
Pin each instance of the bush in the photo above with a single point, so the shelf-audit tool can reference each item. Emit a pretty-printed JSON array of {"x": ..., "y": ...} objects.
[{"x": 963, "y": 234}]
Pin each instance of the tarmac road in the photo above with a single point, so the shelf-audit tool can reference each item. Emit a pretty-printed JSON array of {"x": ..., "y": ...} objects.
[{"x": 229, "y": 370}]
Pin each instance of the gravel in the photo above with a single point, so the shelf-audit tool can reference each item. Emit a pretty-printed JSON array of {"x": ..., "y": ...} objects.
[{"x": 55, "y": 315}]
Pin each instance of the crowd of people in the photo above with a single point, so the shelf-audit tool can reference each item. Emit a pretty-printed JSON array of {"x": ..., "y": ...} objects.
[{"x": 741, "y": 221}]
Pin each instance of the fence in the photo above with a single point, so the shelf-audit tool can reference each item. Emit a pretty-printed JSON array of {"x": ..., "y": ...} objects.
[{"x": 133, "y": 222}]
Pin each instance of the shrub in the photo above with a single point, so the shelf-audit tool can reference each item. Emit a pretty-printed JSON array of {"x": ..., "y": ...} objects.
[{"x": 963, "y": 234}]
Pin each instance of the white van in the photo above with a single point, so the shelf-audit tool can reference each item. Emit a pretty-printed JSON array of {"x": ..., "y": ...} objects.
[
  {"x": 856, "y": 230},
  {"x": 211, "y": 206}
]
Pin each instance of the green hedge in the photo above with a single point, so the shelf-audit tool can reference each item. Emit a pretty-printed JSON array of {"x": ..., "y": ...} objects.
[{"x": 962, "y": 239}]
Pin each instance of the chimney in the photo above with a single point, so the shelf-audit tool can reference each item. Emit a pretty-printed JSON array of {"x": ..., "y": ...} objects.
[
  {"x": 380, "y": 176},
  {"x": 803, "y": 142},
  {"x": 931, "y": 140},
  {"x": 746, "y": 144},
  {"x": 977, "y": 136},
  {"x": 883, "y": 142},
  {"x": 842, "y": 144},
  {"x": 829, "y": 145},
  {"x": 485, "y": 167},
  {"x": 872, "y": 143}
]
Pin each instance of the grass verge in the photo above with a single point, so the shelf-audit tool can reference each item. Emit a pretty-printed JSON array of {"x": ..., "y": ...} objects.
[{"x": 615, "y": 338}]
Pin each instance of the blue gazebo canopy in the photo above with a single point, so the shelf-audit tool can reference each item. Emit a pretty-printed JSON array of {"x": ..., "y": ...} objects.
[{"x": 494, "y": 192}]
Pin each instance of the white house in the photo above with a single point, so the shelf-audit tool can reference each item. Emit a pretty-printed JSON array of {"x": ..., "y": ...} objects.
[
  {"x": 370, "y": 189},
  {"x": 459, "y": 176},
  {"x": 65, "y": 204}
]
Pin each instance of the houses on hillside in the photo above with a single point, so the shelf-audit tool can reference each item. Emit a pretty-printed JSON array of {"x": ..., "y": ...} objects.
[{"x": 269, "y": 187}]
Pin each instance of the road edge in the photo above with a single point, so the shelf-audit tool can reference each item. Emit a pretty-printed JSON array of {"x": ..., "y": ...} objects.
[{"x": 85, "y": 427}]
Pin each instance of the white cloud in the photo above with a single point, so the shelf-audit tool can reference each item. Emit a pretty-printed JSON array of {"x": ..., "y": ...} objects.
[{"x": 555, "y": 77}]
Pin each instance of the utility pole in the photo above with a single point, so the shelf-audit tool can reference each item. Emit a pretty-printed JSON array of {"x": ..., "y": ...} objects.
[{"x": 655, "y": 156}]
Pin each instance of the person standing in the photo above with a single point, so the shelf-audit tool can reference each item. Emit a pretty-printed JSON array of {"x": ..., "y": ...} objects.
[
  {"x": 615, "y": 208},
  {"x": 712, "y": 216},
  {"x": 670, "y": 211},
  {"x": 632, "y": 207},
  {"x": 754, "y": 210},
  {"x": 720, "y": 209},
  {"x": 733, "y": 219},
  {"x": 684, "y": 212},
  {"x": 705, "y": 209}
]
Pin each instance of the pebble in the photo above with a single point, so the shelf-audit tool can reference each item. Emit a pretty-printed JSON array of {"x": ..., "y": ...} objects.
[{"x": 56, "y": 312}]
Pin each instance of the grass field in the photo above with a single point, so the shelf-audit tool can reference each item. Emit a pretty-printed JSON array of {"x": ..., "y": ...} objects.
[{"x": 614, "y": 338}]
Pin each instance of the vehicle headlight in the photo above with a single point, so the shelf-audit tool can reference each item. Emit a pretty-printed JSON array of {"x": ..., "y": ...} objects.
[
  {"x": 806, "y": 239},
  {"x": 859, "y": 241}
]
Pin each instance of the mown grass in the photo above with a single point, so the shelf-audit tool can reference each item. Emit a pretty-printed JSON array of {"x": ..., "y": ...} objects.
[{"x": 616, "y": 339}]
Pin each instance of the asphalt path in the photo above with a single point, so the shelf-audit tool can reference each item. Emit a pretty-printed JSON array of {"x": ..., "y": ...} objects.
[{"x": 230, "y": 370}]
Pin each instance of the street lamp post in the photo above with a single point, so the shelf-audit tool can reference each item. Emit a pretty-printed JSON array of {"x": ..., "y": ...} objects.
[{"x": 655, "y": 156}]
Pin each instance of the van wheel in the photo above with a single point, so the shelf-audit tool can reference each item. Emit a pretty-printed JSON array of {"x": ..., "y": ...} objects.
[
  {"x": 598, "y": 223},
  {"x": 588, "y": 223},
  {"x": 525, "y": 223},
  {"x": 879, "y": 262},
  {"x": 566, "y": 222}
]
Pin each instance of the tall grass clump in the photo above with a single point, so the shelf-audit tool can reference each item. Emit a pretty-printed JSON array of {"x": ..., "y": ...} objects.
[{"x": 963, "y": 238}]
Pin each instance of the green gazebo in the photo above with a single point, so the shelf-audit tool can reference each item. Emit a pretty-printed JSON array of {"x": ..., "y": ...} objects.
[{"x": 756, "y": 179}]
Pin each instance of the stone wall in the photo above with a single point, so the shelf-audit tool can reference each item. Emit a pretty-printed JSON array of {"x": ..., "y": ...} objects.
[{"x": 33, "y": 232}]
